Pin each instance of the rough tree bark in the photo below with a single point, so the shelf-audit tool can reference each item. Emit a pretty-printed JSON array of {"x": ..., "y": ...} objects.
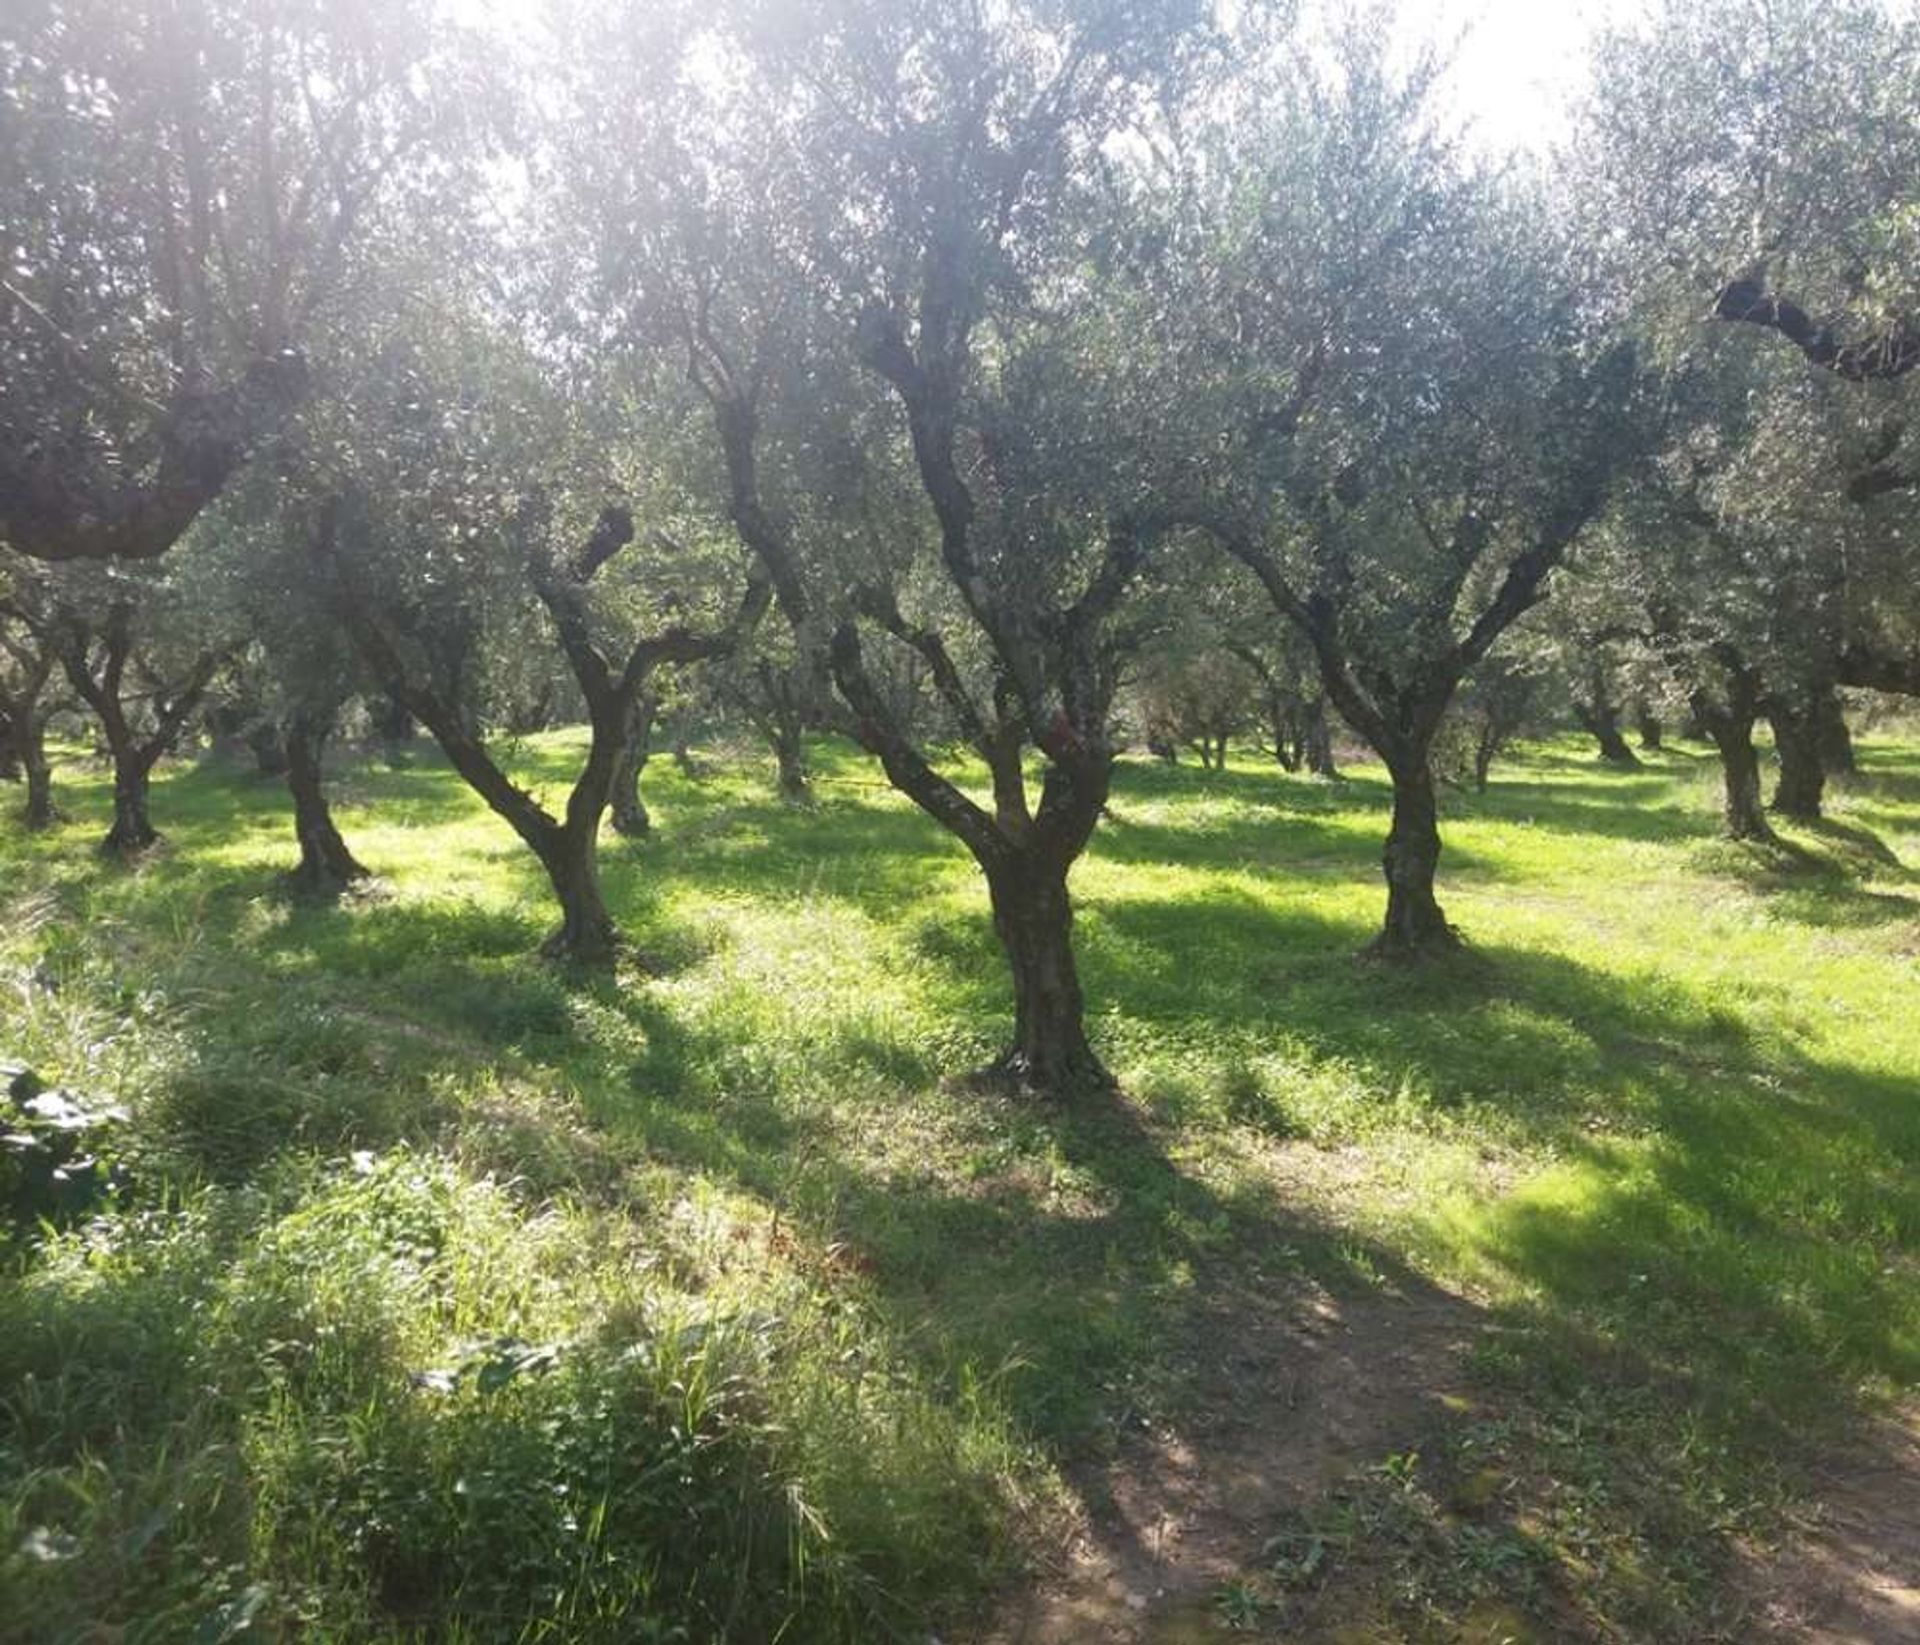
[
  {"x": 327, "y": 868},
  {"x": 1729, "y": 725},
  {"x": 1033, "y": 918},
  {"x": 1802, "y": 782},
  {"x": 1415, "y": 923},
  {"x": 630, "y": 816},
  {"x": 1283, "y": 730},
  {"x": 1316, "y": 740},
  {"x": 790, "y": 760},
  {"x": 1836, "y": 740}
]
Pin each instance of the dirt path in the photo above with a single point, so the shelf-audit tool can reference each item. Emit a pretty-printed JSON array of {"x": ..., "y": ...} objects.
[
  {"x": 1303, "y": 1387},
  {"x": 1850, "y": 1575}
]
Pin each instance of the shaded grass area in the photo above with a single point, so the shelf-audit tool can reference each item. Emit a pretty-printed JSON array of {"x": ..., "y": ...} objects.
[{"x": 456, "y": 1299}]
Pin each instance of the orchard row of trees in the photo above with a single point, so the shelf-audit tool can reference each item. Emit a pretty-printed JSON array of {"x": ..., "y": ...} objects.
[{"x": 940, "y": 373}]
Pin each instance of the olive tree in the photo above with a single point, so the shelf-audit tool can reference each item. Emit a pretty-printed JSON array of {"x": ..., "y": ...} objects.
[
  {"x": 1753, "y": 166},
  {"x": 1402, "y": 414},
  {"x": 864, "y": 245},
  {"x": 460, "y": 501}
]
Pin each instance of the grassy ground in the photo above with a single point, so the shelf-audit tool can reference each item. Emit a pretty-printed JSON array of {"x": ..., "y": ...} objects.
[{"x": 452, "y": 1300}]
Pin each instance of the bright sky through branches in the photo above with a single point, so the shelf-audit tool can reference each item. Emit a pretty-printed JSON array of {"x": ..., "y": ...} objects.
[{"x": 1517, "y": 64}]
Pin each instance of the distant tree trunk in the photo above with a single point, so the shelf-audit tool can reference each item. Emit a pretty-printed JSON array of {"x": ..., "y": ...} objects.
[
  {"x": 1033, "y": 917},
  {"x": 630, "y": 816},
  {"x": 9, "y": 757},
  {"x": 1650, "y": 729},
  {"x": 1836, "y": 741},
  {"x": 40, "y": 811},
  {"x": 1316, "y": 740},
  {"x": 1730, "y": 727},
  {"x": 683, "y": 755},
  {"x": 27, "y": 748},
  {"x": 1164, "y": 749},
  {"x": 1485, "y": 746},
  {"x": 790, "y": 753},
  {"x": 392, "y": 722},
  {"x": 1796, "y": 740},
  {"x": 326, "y": 867},
  {"x": 1601, "y": 718},
  {"x": 268, "y": 748},
  {"x": 1414, "y": 924}
]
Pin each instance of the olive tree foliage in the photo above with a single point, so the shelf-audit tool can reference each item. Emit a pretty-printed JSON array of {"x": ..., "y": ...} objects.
[
  {"x": 859, "y": 231},
  {"x": 183, "y": 184},
  {"x": 1401, "y": 413},
  {"x": 1752, "y": 167}
]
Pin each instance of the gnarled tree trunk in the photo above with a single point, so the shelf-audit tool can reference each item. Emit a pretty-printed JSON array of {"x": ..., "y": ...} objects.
[
  {"x": 790, "y": 755},
  {"x": 26, "y": 742},
  {"x": 1796, "y": 740},
  {"x": 1730, "y": 729},
  {"x": 630, "y": 816},
  {"x": 1650, "y": 729},
  {"x": 1316, "y": 740},
  {"x": 1033, "y": 917},
  {"x": 1415, "y": 924},
  {"x": 1599, "y": 716},
  {"x": 132, "y": 829},
  {"x": 587, "y": 934},
  {"x": 327, "y": 867}
]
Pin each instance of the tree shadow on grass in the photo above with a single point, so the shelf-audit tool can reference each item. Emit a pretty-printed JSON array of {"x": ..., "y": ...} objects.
[
  {"x": 1722, "y": 1239},
  {"x": 1831, "y": 877}
]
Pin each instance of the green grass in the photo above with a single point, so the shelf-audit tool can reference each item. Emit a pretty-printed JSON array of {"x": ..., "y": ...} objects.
[{"x": 453, "y": 1299}]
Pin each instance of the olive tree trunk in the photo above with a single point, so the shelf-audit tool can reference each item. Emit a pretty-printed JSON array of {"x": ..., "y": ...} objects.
[
  {"x": 630, "y": 815},
  {"x": 1731, "y": 732},
  {"x": 1415, "y": 924},
  {"x": 1602, "y": 722},
  {"x": 326, "y": 867},
  {"x": 790, "y": 756},
  {"x": 1316, "y": 740},
  {"x": 1803, "y": 779},
  {"x": 1033, "y": 918},
  {"x": 132, "y": 828},
  {"x": 1836, "y": 741},
  {"x": 40, "y": 812},
  {"x": 587, "y": 934}
]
